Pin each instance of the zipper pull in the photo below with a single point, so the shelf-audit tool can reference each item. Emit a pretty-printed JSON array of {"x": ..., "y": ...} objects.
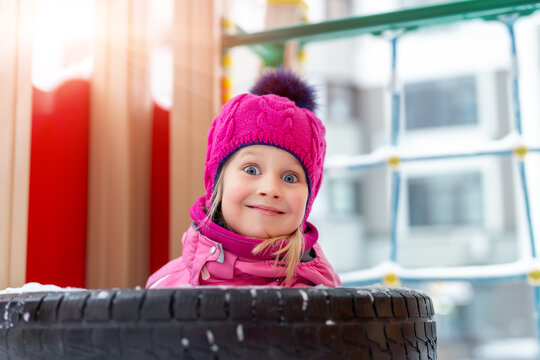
[{"x": 221, "y": 256}]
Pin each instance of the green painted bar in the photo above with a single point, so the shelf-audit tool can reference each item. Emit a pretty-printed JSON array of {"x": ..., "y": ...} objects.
[
  {"x": 403, "y": 19},
  {"x": 271, "y": 54}
]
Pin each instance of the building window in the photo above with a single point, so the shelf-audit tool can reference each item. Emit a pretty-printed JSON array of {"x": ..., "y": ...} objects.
[
  {"x": 341, "y": 100},
  {"x": 447, "y": 102},
  {"x": 446, "y": 200},
  {"x": 344, "y": 196}
]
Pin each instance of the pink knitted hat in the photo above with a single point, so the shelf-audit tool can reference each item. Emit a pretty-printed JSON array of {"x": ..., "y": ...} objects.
[{"x": 272, "y": 116}]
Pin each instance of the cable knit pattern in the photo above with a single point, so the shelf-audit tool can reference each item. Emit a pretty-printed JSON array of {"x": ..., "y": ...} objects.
[{"x": 249, "y": 119}]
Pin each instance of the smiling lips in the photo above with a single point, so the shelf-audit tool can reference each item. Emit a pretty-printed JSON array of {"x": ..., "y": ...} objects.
[{"x": 266, "y": 210}]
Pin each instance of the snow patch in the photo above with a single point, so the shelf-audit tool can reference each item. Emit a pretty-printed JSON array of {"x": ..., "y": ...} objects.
[
  {"x": 240, "y": 333},
  {"x": 361, "y": 292},
  {"x": 253, "y": 293},
  {"x": 305, "y": 298},
  {"x": 211, "y": 341},
  {"x": 102, "y": 295},
  {"x": 210, "y": 336},
  {"x": 36, "y": 287}
]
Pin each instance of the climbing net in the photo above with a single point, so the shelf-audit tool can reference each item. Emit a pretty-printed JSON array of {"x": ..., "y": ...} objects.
[{"x": 526, "y": 269}]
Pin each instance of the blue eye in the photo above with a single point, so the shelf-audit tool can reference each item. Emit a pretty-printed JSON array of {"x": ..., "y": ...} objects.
[
  {"x": 290, "y": 178},
  {"x": 252, "y": 170}
]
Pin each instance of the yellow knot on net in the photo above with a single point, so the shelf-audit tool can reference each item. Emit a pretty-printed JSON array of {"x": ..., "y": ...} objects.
[
  {"x": 533, "y": 277},
  {"x": 226, "y": 60},
  {"x": 228, "y": 24},
  {"x": 391, "y": 279},
  {"x": 226, "y": 92},
  {"x": 302, "y": 56},
  {"x": 285, "y": 2},
  {"x": 394, "y": 162},
  {"x": 520, "y": 151},
  {"x": 227, "y": 83}
]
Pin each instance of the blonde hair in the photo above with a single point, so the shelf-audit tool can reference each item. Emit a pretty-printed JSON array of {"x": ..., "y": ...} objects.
[{"x": 290, "y": 254}]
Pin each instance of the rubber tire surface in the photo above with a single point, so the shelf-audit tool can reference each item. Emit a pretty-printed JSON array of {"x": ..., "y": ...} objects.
[{"x": 219, "y": 323}]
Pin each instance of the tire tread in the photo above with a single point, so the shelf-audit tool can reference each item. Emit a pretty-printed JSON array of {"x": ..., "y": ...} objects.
[{"x": 219, "y": 323}]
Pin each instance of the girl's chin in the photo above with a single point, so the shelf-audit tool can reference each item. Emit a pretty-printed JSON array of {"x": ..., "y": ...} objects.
[{"x": 259, "y": 235}]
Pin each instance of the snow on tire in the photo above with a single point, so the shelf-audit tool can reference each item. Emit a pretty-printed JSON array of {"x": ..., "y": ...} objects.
[{"x": 219, "y": 323}]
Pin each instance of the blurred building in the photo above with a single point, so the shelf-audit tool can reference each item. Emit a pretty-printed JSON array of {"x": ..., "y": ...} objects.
[{"x": 456, "y": 91}]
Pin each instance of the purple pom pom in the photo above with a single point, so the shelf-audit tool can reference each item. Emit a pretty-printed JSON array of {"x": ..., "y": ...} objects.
[{"x": 285, "y": 83}]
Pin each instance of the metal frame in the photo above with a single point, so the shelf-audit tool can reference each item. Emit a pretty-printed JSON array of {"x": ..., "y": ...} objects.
[{"x": 407, "y": 19}]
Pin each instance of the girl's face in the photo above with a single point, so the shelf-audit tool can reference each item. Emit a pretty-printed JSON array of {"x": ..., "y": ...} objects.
[{"x": 264, "y": 192}]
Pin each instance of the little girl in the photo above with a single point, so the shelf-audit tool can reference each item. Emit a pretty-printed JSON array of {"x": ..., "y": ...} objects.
[{"x": 264, "y": 166}]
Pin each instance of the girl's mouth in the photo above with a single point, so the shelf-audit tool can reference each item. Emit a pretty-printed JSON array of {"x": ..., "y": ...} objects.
[{"x": 266, "y": 210}]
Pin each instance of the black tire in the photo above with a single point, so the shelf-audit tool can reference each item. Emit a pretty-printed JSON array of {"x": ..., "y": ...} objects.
[{"x": 219, "y": 323}]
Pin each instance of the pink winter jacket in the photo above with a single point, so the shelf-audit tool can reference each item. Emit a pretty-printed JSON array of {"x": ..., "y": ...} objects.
[{"x": 206, "y": 262}]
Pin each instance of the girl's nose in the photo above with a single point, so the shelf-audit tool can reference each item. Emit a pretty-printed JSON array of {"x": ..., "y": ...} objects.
[{"x": 269, "y": 187}]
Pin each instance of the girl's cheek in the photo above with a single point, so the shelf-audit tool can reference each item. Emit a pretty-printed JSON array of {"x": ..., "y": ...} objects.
[{"x": 300, "y": 201}]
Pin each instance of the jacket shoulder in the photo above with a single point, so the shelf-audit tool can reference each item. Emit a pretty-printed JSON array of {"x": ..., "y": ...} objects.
[{"x": 318, "y": 271}]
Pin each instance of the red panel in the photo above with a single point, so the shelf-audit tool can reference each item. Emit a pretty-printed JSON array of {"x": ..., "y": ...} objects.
[
  {"x": 159, "y": 193},
  {"x": 57, "y": 214}
]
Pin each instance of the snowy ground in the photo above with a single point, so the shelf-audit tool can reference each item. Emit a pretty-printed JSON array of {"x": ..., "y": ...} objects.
[{"x": 36, "y": 287}]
